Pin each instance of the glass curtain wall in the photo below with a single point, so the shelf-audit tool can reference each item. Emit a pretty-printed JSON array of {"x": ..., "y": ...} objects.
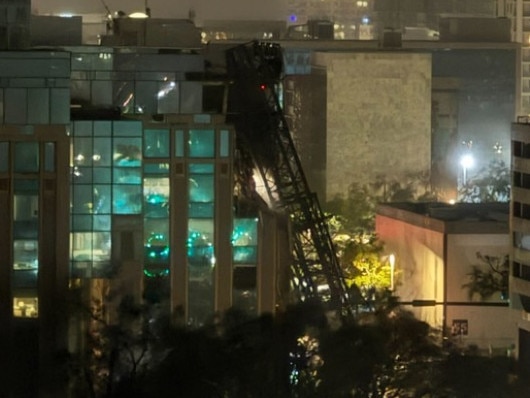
[
  {"x": 156, "y": 211},
  {"x": 245, "y": 260},
  {"x": 201, "y": 225},
  {"x": 106, "y": 180},
  {"x": 26, "y": 229}
]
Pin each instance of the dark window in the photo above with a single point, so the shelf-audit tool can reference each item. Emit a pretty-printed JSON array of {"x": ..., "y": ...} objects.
[
  {"x": 525, "y": 211},
  {"x": 517, "y": 148}
]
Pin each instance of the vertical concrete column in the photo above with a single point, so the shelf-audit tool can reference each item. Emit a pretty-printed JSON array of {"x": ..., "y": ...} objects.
[{"x": 223, "y": 226}]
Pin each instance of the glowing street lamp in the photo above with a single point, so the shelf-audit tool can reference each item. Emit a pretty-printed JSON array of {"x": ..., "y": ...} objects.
[
  {"x": 466, "y": 162},
  {"x": 392, "y": 261}
]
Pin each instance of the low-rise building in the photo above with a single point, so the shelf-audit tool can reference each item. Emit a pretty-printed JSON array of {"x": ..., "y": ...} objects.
[{"x": 435, "y": 248}]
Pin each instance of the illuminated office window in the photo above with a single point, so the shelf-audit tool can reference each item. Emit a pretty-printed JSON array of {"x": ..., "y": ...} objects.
[
  {"x": 201, "y": 143},
  {"x": 201, "y": 263},
  {"x": 25, "y": 247},
  {"x": 224, "y": 146},
  {"x": 200, "y": 244},
  {"x": 156, "y": 143},
  {"x": 201, "y": 190},
  {"x": 245, "y": 258},
  {"x": 26, "y": 307},
  {"x": 157, "y": 240}
]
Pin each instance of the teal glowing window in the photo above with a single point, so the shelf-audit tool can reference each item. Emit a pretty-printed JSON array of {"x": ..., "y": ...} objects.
[
  {"x": 201, "y": 263},
  {"x": 245, "y": 241},
  {"x": 82, "y": 199},
  {"x": 26, "y": 209},
  {"x": 201, "y": 187},
  {"x": 101, "y": 153},
  {"x": 82, "y": 128},
  {"x": 127, "y": 129},
  {"x": 25, "y": 263},
  {"x": 179, "y": 143},
  {"x": 156, "y": 143},
  {"x": 102, "y": 223},
  {"x": 4, "y": 156},
  {"x": 156, "y": 168},
  {"x": 127, "y": 152},
  {"x": 83, "y": 151},
  {"x": 101, "y": 175},
  {"x": 26, "y": 157},
  {"x": 156, "y": 241},
  {"x": 224, "y": 144},
  {"x": 201, "y": 143},
  {"x": 83, "y": 175},
  {"x": 156, "y": 197},
  {"x": 126, "y": 175},
  {"x": 90, "y": 255},
  {"x": 102, "y": 128},
  {"x": 82, "y": 223},
  {"x": 127, "y": 199},
  {"x": 101, "y": 199},
  {"x": 200, "y": 244}
]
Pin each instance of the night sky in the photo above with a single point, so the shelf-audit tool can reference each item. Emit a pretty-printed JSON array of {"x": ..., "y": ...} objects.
[{"x": 204, "y": 9}]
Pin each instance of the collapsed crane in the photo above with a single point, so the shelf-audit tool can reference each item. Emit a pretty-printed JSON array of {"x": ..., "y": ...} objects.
[{"x": 264, "y": 139}]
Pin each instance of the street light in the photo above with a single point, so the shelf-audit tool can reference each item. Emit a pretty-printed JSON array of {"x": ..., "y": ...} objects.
[
  {"x": 392, "y": 262},
  {"x": 466, "y": 162}
]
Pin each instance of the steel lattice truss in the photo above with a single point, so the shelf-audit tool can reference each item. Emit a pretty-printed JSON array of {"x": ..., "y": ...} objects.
[{"x": 255, "y": 69}]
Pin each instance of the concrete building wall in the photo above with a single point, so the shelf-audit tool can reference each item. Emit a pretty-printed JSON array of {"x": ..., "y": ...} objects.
[
  {"x": 489, "y": 324},
  {"x": 462, "y": 255},
  {"x": 305, "y": 113},
  {"x": 419, "y": 266},
  {"x": 378, "y": 116},
  {"x": 431, "y": 267}
]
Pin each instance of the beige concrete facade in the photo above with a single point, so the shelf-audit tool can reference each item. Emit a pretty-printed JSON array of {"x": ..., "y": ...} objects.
[{"x": 378, "y": 113}]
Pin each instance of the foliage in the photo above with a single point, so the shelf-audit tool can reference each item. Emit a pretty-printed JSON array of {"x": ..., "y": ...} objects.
[
  {"x": 115, "y": 350},
  {"x": 414, "y": 187},
  {"x": 360, "y": 258},
  {"x": 489, "y": 184},
  {"x": 493, "y": 279},
  {"x": 298, "y": 353},
  {"x": 356, "y": 209}
]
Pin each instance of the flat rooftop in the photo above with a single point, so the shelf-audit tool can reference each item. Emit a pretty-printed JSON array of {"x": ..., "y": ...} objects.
[{"x": 463, "y": 218}]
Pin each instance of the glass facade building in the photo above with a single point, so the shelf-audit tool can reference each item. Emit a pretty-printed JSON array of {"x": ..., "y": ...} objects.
[{"x": 114, "y": 181}]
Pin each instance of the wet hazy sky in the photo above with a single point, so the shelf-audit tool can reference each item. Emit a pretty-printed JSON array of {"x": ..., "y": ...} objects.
[{"x": 204, "y": 9}]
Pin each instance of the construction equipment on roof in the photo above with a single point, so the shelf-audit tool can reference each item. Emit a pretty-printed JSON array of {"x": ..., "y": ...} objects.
[{"x": 255, "y": 70}]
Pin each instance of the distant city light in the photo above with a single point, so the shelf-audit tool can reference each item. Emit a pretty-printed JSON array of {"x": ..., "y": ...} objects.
[
  {"x": 366, "y": 20},
  {"x": 293, "y": 18}
]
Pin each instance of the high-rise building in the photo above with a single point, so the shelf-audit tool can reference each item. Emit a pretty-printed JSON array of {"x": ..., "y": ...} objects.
[
  {"x": 15, "y": 24},
  {"x": 117, "y": 178},
  {"x": 345, "y": 128},
  {"x": 520, "y": 230}
]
